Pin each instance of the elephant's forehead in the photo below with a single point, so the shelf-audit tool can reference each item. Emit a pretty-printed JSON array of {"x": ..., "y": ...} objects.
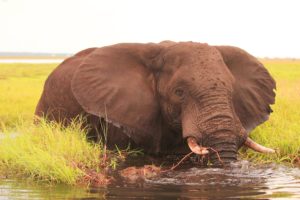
[
  {"x": 189, "y": 57},
  {"x": 191, "y": 54},
  {"x": 195, "y": 63}
]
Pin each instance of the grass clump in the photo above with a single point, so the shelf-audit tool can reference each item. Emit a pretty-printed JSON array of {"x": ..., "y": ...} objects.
[{"x": 55, "y": 154}]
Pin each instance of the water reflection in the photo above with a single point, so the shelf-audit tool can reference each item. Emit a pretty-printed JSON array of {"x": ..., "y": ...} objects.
[
  {"x": 241, "y": 180},
  {"x": 12, "y": 189}
]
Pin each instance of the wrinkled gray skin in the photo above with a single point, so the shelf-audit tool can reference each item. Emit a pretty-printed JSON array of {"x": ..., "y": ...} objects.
[{"x": 157, "y": 95}]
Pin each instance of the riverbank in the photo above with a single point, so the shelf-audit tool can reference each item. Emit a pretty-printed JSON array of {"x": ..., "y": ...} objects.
[
  {"x": 51, "y": 153},
  {"x": 54, "y": 154}
]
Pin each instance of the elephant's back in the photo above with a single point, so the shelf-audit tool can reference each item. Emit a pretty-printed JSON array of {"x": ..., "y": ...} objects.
[{"x": 57, "y": 101}]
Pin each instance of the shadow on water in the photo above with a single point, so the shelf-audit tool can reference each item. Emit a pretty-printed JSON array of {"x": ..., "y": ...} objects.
[{"x": 241, "y": 180}]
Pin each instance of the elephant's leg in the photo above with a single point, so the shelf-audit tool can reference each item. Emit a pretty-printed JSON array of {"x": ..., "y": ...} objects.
[{"x": 117, "y": 137}]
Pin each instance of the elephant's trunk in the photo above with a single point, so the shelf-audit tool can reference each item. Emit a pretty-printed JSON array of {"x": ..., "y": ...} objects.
[
  {"x": 221, "y": 136},
  {"x": 222, "y": 151},
  {"x": 217, "y": 127}
]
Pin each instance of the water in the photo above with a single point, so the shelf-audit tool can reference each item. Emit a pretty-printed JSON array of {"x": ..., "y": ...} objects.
[{"x": 242, "y": 180}]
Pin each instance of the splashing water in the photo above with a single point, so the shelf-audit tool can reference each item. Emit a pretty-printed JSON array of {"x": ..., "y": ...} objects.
[{"x": 239, "y": 180}]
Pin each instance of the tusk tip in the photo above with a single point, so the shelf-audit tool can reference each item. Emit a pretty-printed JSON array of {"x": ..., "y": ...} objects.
[
  {"x": 200, "y": 151},
  {"x": 204, "y": 151},
  {"x": 270, "y": 151},
  {"x": 257, "y": 147},
  {"x": 197, "y": 149}
]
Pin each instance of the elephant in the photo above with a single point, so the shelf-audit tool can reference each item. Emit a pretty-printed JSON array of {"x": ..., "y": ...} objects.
[{"x": 165, "y": 98}]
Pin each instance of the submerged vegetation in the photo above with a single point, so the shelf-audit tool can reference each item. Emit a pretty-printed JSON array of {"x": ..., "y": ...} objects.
[{"x": 51, "y": 153}]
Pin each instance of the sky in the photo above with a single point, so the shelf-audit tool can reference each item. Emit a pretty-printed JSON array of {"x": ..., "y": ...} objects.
[{"x": 264, "y": 28}]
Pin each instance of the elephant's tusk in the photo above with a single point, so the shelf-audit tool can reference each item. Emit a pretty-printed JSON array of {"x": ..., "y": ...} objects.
[
  {"x": 257, "y": 147},
  {"x": 195, "y": 147}
]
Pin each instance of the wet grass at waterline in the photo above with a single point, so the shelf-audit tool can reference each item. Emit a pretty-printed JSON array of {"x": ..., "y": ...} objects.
[{"x": 50, "y": 153}]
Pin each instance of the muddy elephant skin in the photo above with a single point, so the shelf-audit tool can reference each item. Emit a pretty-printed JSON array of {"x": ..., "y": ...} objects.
[{"x": 156, "y": 95}]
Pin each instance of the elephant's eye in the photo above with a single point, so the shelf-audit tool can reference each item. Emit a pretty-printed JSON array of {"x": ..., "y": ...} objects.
[{"x": 179, "y": 92}]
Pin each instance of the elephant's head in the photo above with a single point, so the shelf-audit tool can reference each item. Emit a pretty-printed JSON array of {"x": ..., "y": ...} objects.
[{"x": 211, "y": 96}]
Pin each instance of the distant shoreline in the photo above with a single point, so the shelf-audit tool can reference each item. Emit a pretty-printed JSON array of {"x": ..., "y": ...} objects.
[
  {"x": 278, "y": 59},
  {"x": 58, "y": 59},
  {"x": 32, "y": 57},
  {"x": 64, "y": 57}
]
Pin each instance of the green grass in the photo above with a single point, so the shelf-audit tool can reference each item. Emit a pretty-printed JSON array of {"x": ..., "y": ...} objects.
[
  {"x": 46, "y": 152},
  {"x": 50, "y": 153},
  {"x": 282, "y": 130},
  {"x": 20, "y": 89}
]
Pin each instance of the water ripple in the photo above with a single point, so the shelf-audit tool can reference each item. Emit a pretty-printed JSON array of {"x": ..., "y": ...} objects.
[{"x": 241, "y": 180}]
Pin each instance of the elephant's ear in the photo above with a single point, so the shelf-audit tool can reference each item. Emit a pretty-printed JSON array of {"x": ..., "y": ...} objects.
[
  {"x": 115, "y": 82},
  {"x": 253, "y": 88}
]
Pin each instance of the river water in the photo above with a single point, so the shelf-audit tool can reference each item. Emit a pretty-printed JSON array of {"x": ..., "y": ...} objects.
[{"x": 241, "y": 180}]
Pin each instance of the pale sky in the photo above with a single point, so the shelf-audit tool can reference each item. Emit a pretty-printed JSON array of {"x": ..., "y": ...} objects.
[{"x": 265, "y": 28}]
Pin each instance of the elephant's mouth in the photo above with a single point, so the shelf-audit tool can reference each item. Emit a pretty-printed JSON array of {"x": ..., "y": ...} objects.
[
  {"x": 220, "y": 158},
  {"x": 209, "y": 153}
]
